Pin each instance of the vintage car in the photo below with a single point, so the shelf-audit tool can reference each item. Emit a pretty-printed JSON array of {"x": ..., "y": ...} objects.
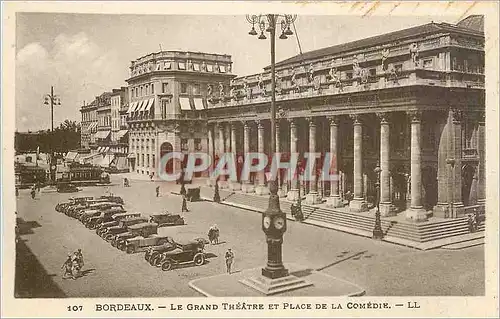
[
  {"x": 184, "y": 253},
  {"x": 112, "y": 198},
  {"x": 115, "y": 220},
  {"x": 111, "y": 233},
  {"x": 83, "y": 205},
  {"x": 60, "y": 207},
  {"x": 140, "y": 243},
  {"x": 105, "y": 216},
  {"x": 167, "y": 219},
  {"x": 100, "y": 207},
  {"x": 153, "y": 254},
  {"x": 65, "y": 187},
  {"x": 143, "y": 230}
]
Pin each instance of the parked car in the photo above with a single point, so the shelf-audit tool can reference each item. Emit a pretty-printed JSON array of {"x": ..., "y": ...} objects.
[
  {"x": 144, "y": 230},
  {"x": 141, "y": 243},
  {"x": 100, "y": 207},
  {"x": 153, "y": 253},
  {"x": 185, "y": 253},
  {"x": 110, "y": 233},
  {"x": 167, "y": 219},
  {"x": 72, "y": 201},
  {"x": 65, "y": 187},
  {"x": 105, "y": 216},
  {"x": 113, "y": 198},
  {"x": 115, "y": 220}
]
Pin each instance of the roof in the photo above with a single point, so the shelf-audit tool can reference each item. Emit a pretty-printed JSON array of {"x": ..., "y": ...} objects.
[
  {"x": 473, "y": 22},
  {"x": 381, "y": 39}
]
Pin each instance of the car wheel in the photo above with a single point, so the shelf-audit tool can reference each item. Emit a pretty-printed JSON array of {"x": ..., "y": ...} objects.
[
  {"x": 130, "y": 249},
  {"x": 158, "y": 261},
  {"x": 199, "y": 259},
  {"x": 113, "y": 243},
  {"x": 167, "y": 265}
]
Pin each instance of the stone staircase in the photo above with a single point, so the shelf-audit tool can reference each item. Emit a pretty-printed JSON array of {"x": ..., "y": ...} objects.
[{"x": 425, "y": 235}]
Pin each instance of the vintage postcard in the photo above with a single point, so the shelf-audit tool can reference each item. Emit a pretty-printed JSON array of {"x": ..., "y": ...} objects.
[{"x": 223, "y": 159}]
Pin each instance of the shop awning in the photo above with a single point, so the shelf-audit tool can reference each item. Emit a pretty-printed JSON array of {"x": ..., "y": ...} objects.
[
  {"x": 131, "y": 107},
  {"x": 71, "y": 156},
  {"x": 106, "y": 149},
  {"x": 120, "y": 134},
  {"x": 198, "y": 103},
  {"x": 149, "y": 105},
  {"x": 131, "y": 155},
  {"x": 102, "y": 134},
  {"x": 185, "y": 104}
]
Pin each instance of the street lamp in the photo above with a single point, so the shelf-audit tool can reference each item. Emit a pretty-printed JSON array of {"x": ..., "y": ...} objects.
[
  {"x": 52, "y": 100},
  {"x": 273, "y": 219},
  {"x": 377, "y": 230}
]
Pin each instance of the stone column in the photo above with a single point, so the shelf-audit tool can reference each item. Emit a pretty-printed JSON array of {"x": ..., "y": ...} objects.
[
  {"x": 358, "y": 203},
  {"x": 281, "y": 192},
  {"x": 481, "y": 194},
  {"x": 220, "y": 153},
  {"x": 442, "y": 207},
  {"x": 386, "y": 207},
  {"x": 334, "y": 200},
  {"x": 261, "y": 188},
  {"x": 313, "y": 197},
  {"x": 247, "y": 186},
  {"x": 211, "y": 152},
  {"x": 416, "y": 211},
  {"x": 293, "y": 193},
  {"x": 456, "y": 154},
  {"x": 234, "y": 185}
]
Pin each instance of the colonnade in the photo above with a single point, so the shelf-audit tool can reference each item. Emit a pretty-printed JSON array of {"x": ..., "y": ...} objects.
[{"x": 228, "y": 135}]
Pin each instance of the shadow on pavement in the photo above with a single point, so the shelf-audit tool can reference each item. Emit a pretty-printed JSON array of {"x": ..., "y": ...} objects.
[
  {"x": 355, "y": 256},
  {"x": 31, "y": 278},
  {"x": 26, "y": 227}
]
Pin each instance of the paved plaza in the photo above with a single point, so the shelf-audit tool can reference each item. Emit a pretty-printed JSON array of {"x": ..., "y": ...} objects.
[{"x": 379, "y": 268}]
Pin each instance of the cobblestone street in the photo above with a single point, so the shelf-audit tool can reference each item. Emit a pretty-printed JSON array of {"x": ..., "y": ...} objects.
[{"x": 380, "y": 268}]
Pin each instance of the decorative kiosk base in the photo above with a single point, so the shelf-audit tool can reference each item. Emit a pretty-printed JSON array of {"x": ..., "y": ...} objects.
[{"x": 270, "y": 286}]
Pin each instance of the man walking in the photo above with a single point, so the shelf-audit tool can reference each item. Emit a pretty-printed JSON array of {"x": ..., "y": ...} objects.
[
  {"x": 229, "y": 260},
  {"x": 157, "y": 191}
]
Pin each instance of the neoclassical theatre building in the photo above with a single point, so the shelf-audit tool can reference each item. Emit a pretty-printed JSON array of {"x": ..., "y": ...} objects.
[{"x": 411, "y": 102}]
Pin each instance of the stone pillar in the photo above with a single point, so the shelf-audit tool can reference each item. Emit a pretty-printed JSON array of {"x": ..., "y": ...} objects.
[
  {"x": 221, "y": 151},
  {"x": 281, "y": 192},
  {"x": 358, "y": 203},
  {"x": 481, "y": 193},
  {"x": 416, "y": 211},
  {"x": 293, "y": 193},
  {"x": 456, "y": 154},
  {"x": 313, "y": 197},
  {"x": 211, "y": 152},
  {"x": 234, "y": 185},
  {"x": 247, "y": 186},
  {"x": 442, "y": 207},
  {"x": 261, "y": 188},
  {"x": 386, "y": 207},
  {"x": 334, "y": 199}
]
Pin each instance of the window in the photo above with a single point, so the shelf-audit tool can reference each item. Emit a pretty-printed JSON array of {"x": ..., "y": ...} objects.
[
  {"x": 153, "y": 145},
  {"x": 196, "y": 67},
  {"x": 147, "y": 160},
  {"x": 136, "y": 92},
  {"x": 373, "y": 72},
  {"x": 142, "y": 90},
  {"x": 428, "y": 64},
  {"x": 222, "y": 68},
  {"x": 158, "y": 66},
  {"x": 153, "y": 161},
  {"x": 210, "y": 68},
  {"x": 197, "y": 144},
  {"x": 196, "y": 89},
  {"x": 167, "y": 66},
  {"x": 348, "y": 75},
  {"x": 152, "y": 88},
  {"x": 184, "y": 144},
  {"x": 181, "y": 65},
  {"x": 398, "y": 68},
  {"x": 184, "y": 88},
  {"x": 164, "y": 87}
]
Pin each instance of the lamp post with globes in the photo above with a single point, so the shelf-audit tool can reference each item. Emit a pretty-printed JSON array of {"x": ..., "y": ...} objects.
[
  {"x": 377, "y": 229},
  {"x": 273, "y": 219},
  {"x": 52, "y": 100}
]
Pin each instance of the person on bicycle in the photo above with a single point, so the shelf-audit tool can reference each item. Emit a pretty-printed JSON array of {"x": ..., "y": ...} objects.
[{"x": 67, "y": 267}]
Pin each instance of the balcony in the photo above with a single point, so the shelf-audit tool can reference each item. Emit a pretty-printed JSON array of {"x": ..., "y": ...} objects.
[{"x": 469, "y": 153}]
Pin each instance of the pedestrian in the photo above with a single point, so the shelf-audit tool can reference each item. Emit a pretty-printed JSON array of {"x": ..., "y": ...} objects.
[
  {"x": 79, "y": 258},
  {"x": 33, "y": 192},
  {"x": 184, "y": 204},
  {"x": 17, "y": 191},
  {"x": 216, "y": 191},
  {"x": 66, "y": 266},
  {"x": 157, "y": 191},
  {"x": 151, "y": 219},
  {"x": 229, "y": 260},
  {"x": 472, "y": 223}
]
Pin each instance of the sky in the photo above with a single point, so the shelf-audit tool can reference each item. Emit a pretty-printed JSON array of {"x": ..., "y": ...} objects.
[{"x": 83, "y": 55}]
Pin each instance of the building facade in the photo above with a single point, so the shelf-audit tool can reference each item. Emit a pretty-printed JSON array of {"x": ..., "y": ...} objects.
[
  {"x": 88, "y": 124},
  {"x": 411, "y": 102},
  {"x": 168, "y": 94}
]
